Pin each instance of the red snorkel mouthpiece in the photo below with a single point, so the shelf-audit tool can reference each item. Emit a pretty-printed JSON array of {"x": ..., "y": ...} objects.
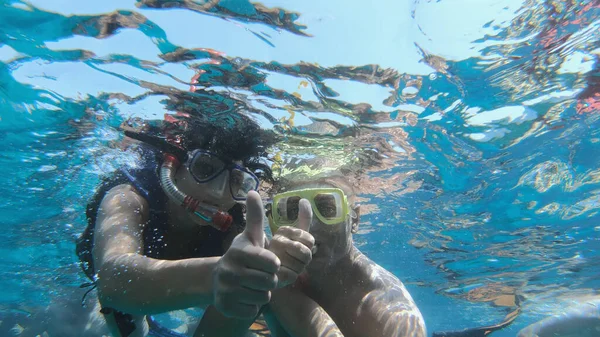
[
  {"x": 222, "y": 220},
  {"x": 216, "y": 218}
]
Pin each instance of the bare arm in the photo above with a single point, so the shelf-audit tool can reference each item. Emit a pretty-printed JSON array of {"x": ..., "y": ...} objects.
[
  {"x": 405, "y": 322},
  {"x": 381, "y": 303},
  {"x": 215, "y": 324},
  {"x": 289, "y": 309},
  {"x": 136, "y": 284},
  {"x": 389, "y": 312},
  {"x": 300, "y": 316}
]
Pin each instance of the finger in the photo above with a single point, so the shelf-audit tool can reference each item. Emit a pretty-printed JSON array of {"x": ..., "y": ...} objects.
[
  {"x": 286, "y": 276},
  {"x": 258, "y": 280},
  {"x": 254, "y": 219},
  {"x": 296, "y": 234},
  {"x": 259, "y": 259},
  {"x": 299, "y": 252},
  {"x": 305, "y": 215},
  {"x": 287, "y": 249},
  {"x": 293, "y": 264},
  {"x": 253, "y": 297}
]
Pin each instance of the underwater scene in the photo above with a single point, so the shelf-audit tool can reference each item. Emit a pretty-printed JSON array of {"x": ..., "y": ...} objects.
[{"x": 468, "y": 131}]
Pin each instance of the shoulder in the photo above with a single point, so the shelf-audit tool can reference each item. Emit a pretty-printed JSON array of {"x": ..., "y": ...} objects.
[
  {"x": 123, "y": 198},
  {"x": 377, "y": 277},
  {"x": 386, "y": 299},
  {"x": 122, "y": 207},
  {"x": 120, "y": 223},
  {"x": 385, "y": 289}
]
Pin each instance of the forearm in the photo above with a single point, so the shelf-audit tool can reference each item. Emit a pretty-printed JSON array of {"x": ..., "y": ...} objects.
[
  {"x": 214, "y": 323},
  {"x": 300, "y": 316},
  {"x": 136, "y": 284}
]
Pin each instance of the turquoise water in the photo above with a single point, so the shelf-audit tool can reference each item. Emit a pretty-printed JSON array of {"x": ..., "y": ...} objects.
[{"x": 473, "y": 126}]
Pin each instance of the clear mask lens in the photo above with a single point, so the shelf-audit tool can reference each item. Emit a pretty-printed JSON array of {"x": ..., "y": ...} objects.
[
  {"x": 241, "y": 183},
  {"x": 288, "y": 208},
  {"x": 328, "y": 205},
  {"x": 205, "y": 166}
]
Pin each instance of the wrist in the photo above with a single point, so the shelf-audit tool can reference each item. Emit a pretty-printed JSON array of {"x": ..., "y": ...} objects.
[
  {"x": 210, "y": 280},
  {"x": 198, "y": 282}
]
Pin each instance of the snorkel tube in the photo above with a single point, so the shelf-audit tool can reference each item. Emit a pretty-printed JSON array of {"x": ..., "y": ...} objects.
[{"x": 216, "y": 218}]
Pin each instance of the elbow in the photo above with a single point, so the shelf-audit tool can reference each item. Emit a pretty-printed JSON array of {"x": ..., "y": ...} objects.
[
  {"x": 108, "y": 287},
  {"x": 418, "y": 323},
  {"x": 404, "y": 323},
  {"x": 113, "y": 289}
]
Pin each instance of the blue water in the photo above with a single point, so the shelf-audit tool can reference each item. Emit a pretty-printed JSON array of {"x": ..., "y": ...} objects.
[{"x": 472, "y": 126}]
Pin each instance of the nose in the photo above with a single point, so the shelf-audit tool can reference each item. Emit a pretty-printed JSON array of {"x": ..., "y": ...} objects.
[{"x": 219, "y": 186}]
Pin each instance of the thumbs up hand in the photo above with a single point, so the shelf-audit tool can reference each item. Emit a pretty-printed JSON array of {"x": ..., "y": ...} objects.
[
  {"x": 293, "y": 246},
  {"x": 244, "y": 277}
]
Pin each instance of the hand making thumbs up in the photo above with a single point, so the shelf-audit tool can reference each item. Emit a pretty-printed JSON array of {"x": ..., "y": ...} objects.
[
  {"x": 293, "y": 246},
  {"x": 245, "y": 275}
]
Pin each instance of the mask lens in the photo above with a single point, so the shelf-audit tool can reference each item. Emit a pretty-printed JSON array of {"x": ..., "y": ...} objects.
[
  {"x": 287, "y": 209},
  {"x": 205, "y": 166},
  {"x": 241, "y": 183},
  {"x": 327, "y": 205}
]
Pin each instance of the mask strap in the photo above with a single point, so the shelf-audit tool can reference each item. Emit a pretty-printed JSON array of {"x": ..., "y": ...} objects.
[
  {"x": 157, "y": 142},
  {"x": 353, "y": 214}
]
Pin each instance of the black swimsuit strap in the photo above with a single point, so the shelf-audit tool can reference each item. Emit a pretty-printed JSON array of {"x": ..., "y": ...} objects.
[{"x": 125, "y": 322}]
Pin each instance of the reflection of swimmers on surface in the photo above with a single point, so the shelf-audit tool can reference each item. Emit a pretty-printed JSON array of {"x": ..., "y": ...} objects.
[
  {"x": 342, "y": 292},
  {"x": 582, "y": 320},
  {"x": 480, "y": 331},
  {"x": 486, "y": 294},
  {"x": 164, "y": 236}
]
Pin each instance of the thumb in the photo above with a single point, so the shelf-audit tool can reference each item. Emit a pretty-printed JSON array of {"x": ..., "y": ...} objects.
[
  {"x": 305, "y": 215},
  {"x": 254, "y": 219}
]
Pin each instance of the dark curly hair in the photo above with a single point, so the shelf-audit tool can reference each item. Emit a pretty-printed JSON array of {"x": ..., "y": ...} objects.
[
  {"x": 236, "y": 139},
  {"x": 232, "y": 137}
]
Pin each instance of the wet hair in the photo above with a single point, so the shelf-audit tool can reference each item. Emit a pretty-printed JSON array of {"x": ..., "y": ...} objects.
[
  {"x": 244, "y": 141},
  {"x": 232, "y": 138}
]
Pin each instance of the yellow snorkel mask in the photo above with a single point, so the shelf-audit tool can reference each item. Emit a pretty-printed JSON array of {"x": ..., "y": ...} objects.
[{"x": 329, "y": 205}]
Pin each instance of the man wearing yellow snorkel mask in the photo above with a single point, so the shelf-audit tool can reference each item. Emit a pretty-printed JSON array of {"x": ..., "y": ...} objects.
[{"x": 342, "y": 292}]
